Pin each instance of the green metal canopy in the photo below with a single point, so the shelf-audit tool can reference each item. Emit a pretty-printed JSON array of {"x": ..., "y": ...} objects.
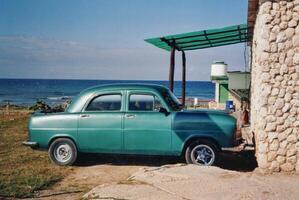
[
  {"x": 203, "y": 39},
  {"x": 198, "y": 40}
]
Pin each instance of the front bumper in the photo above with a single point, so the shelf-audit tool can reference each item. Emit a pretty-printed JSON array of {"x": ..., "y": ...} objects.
[
  {"x": 238, "y": 142},
  {"x": 238, "y": 145},
  {"x": 30, "y": 144}
]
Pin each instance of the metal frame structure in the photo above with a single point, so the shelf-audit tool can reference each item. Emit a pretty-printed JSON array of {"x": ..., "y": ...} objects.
[{"x": 198, "y": 40}]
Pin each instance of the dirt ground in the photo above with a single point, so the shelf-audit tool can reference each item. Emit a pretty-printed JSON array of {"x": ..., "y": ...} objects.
[
  {"x": 150, "y": 177},
  {"x": 93, "y": 170}
]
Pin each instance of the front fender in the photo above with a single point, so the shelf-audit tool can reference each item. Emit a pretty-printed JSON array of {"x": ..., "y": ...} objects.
[
  {"x": 198, "y": 137},
  {"x": 219, "y": 127}
]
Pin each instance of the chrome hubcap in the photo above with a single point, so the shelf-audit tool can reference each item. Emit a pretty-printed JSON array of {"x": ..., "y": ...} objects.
[
  {"x": 63, "y": 153},
  {"x": 202, "y": 155}
]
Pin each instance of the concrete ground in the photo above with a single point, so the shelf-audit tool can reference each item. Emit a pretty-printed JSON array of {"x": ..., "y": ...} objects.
[
  {"x": 184, "y": 182},
  {"x": 155, "y": 177}
]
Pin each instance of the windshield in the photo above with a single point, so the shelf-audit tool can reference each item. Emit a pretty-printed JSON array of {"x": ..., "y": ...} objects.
[{"x": 172, "y": 100}]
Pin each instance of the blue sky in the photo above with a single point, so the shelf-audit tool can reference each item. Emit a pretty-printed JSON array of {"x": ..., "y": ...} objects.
[{"x": 104, "y": 39}]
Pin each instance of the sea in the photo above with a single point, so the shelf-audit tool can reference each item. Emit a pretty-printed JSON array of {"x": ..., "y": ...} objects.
[{"x": 26, "y": 92}]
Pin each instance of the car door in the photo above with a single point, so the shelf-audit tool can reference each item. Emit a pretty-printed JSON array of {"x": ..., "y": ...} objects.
[
  {"x": 146, "y": 130},
  {"x": 100, "y": 124}
]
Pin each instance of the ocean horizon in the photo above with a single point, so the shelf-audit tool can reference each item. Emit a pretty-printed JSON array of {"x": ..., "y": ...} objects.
[{"x": 26, "y": 92}]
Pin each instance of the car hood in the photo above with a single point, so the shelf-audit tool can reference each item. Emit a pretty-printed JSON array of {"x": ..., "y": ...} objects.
[
  {"x": 219, "y": 117},
  {"x": 206, "y": 111}
]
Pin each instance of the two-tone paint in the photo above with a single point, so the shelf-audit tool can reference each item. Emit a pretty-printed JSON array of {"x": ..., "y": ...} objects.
[{"x": 148, "y": 132}]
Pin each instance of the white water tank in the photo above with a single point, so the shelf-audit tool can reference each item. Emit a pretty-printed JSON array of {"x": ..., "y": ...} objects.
[{"x": 218, "y": 69}]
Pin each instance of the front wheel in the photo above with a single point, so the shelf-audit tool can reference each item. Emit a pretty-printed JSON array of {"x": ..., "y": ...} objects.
[
  {"x": 63, "y": 152},
  {"x": 202, "y": 152}
]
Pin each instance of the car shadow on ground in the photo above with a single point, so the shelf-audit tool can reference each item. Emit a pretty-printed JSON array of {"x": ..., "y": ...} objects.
[
  {"x": 138, "y": 160},
  {"x": 243, "y": 161}
]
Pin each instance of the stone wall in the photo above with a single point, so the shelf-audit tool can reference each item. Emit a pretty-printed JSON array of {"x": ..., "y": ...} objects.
[{"x": 275, "y": 85}]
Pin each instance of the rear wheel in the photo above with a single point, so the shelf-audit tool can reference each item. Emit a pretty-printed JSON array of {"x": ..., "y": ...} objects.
[
  {"x": 63, "y": 152},
  {"x": 202, "y": 152}
]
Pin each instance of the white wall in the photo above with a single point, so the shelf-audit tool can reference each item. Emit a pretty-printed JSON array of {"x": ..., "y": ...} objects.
[{"x": 238, "y": 80}]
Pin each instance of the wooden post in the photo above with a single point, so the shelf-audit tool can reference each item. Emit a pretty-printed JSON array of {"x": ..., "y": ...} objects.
[
  {"x": 171, "y": 68},
  {"x": 183, "y": 78}
]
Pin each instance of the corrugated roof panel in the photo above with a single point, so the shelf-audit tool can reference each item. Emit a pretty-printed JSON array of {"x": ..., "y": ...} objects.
[{"x": 203, "y": 39}]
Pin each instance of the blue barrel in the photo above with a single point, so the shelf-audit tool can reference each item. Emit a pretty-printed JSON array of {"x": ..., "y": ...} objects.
[{"x": 229, "y": 105}]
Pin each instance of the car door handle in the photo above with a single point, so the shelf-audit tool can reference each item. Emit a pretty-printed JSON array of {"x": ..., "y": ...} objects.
[
  {"x": 130, "y": 116},
  {"x": 84, "y": 116}
]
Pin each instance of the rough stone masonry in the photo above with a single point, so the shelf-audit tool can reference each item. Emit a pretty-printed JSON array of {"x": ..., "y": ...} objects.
[{"x": 275, "y": 85}]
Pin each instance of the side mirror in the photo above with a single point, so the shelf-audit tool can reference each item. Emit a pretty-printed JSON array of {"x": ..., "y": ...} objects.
[
  {"x": 182, "y": 106},
  {"x": 163, "y": 110}
]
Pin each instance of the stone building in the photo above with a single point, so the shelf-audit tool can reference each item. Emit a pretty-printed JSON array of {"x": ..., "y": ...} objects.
[{"x": 275, "y": 83}]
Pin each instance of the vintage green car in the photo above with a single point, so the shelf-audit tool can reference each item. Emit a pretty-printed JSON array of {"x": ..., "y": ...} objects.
[{"x": 131, "y": 119}]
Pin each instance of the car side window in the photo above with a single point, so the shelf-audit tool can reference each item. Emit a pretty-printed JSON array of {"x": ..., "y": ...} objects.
[
  {"x": 144, "y": 102},
  {"x": 109, "y": 102}
]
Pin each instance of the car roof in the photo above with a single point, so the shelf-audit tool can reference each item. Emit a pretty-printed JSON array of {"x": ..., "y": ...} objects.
[
  {"x": 124, "y": 86},
  {"x": 83, "y": 96}
]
